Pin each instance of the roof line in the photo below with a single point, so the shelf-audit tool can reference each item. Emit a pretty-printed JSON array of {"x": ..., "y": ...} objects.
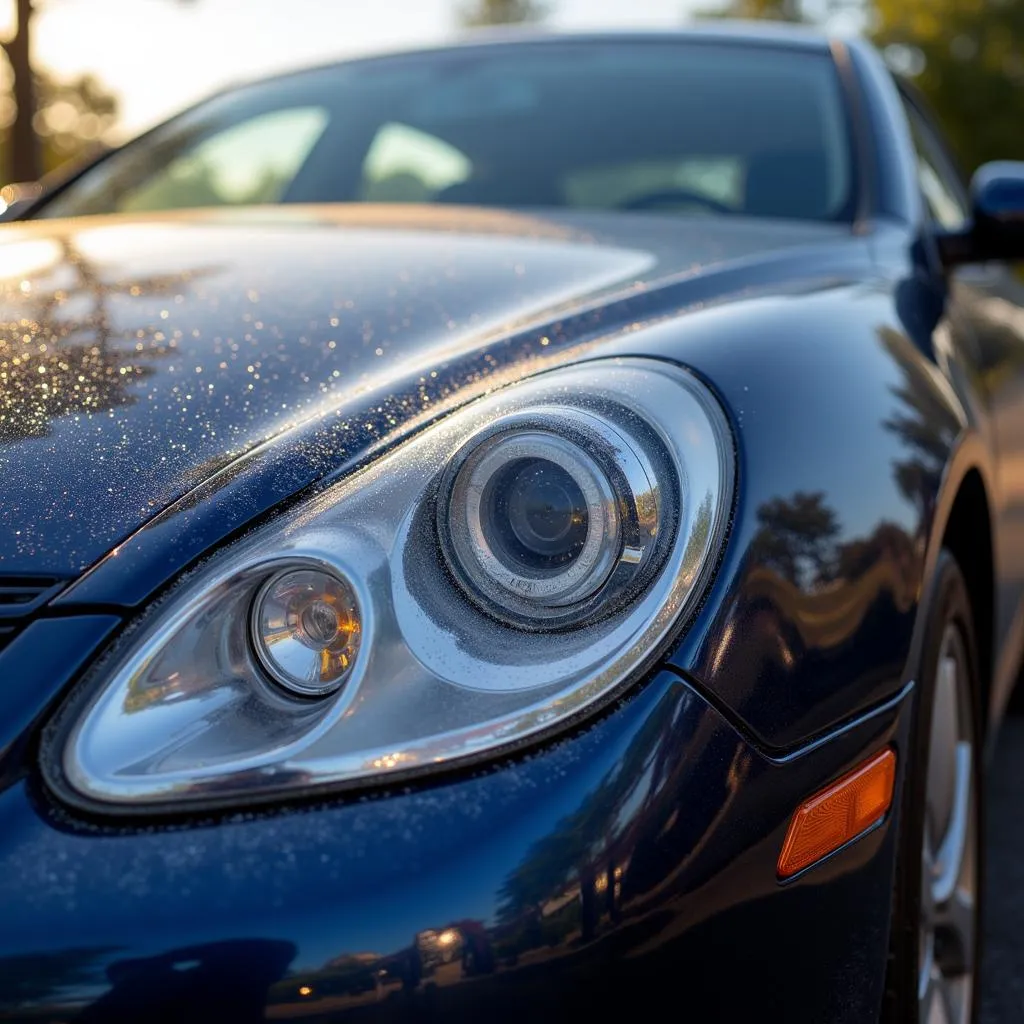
[{"x": 767, "y": 35}]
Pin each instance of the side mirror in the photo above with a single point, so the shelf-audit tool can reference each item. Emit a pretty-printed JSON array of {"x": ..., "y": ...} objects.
[{"x": 997, "y": 210}]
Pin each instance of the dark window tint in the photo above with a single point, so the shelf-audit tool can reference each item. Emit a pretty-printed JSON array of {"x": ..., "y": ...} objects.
[{"x": 657, "y": 126}]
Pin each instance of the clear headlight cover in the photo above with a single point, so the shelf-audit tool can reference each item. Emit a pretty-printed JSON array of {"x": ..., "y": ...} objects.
[{"x": 482, "y": 584}]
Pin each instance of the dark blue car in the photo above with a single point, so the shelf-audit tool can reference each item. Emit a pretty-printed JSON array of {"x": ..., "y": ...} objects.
[{"x": 553, "y": 551}]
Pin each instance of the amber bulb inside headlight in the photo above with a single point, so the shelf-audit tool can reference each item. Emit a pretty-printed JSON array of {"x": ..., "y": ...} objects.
[{"x": 305, "y": 630}]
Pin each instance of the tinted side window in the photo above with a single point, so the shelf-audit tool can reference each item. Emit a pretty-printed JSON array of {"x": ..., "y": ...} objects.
[{"x": 940, "y": 186}]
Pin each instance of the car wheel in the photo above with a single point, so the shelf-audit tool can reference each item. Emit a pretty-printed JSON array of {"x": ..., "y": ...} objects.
[{"x": 933, "y": 977}]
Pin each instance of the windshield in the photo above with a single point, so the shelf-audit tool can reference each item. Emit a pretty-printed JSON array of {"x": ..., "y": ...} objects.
[{"x": 667, "y": 126}]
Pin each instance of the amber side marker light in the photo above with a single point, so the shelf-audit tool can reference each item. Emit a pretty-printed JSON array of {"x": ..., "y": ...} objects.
[{"x": 839, "y": 813}]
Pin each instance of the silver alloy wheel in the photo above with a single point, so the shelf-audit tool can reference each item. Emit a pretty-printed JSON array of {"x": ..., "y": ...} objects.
[{"x": 949, "y": 853}]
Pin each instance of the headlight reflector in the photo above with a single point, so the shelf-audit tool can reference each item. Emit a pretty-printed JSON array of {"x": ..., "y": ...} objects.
[{"x": 305, "y": 627}]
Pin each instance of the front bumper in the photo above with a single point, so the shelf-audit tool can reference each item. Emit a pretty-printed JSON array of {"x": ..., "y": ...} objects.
[{"x": 625, "y": 869}]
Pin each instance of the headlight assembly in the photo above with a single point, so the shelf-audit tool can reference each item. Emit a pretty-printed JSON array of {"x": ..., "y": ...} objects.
[{"x": 482, "y": 584}]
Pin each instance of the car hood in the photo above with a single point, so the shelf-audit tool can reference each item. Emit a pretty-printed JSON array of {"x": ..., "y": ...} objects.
[{"x": 140, "y": 356}]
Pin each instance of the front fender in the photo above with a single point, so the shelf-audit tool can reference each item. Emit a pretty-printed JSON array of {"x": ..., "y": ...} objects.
[{"x": 851, "y": 443}]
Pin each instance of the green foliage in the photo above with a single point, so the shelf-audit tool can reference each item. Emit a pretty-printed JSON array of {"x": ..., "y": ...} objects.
[
  {"x": 503, "y": 12},
  {"x": 971, "y": 68}
]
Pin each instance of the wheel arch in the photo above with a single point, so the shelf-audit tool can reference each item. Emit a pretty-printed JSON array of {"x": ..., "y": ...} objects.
[{"x": 963, "y": 525}]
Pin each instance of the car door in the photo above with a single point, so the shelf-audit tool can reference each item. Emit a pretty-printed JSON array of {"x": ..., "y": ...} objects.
[{"x": 987, "y": 307}]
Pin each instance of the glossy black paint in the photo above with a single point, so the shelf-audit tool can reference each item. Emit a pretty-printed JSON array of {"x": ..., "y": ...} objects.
[
  {"x": 869, "y": 393},
  {"x": 814, "y": 611},
  {"x": 169, "y": 348},
  {"x": 577, "y": 881}
]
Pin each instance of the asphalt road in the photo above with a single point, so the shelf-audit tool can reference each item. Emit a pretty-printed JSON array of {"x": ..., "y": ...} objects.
[{"x": 1003, "y": 968}]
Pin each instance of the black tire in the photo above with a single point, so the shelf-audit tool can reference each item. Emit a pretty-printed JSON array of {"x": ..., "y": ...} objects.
[{"x": 951, "y": 605}]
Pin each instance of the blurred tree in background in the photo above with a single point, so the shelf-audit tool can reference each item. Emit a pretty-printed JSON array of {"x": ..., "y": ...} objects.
[
  {"x": 966, "y": 57},
  {"x": 503, "y": 12},
  {"x": 65, "y": 116},
  {"x": 71, "y": 117},
  {"x": 23, "y": 158},
  {"x": 777, "y": 10},
  {"x": 783, "y": 10}
]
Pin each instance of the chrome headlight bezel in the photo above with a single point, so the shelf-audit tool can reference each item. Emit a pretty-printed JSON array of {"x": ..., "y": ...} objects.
[{"x": 444, "y": 674}]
